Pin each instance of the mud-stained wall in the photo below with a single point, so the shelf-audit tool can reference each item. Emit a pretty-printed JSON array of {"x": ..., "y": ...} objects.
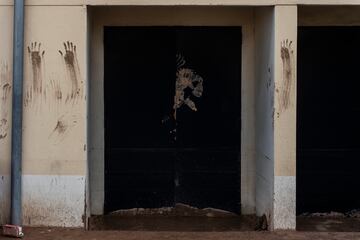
[
  {"x": 5, "y": 109},
  {"x": 171, "y": 16},
  {"x": 285, "y": 117},
  {"x": 54, "y": 117},
  {"x": 264, "y": 111}
]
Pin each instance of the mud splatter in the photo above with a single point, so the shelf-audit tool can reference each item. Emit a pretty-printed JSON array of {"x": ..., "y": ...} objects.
[
  {"x": 4, "y": 128},
  {"x": 186, "y": 78},
  {"x": 63, "y": 127},
  {"x": 56, "y": 91},
  {"x": 287, "y": 56},
  {"x": 5, "y": 90},
  {"x": 72, "y": 70}
]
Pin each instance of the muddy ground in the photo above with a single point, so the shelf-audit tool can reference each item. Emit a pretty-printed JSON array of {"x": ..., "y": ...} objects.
[
  {"x": 77, "y": 234},
  {"x": 182, "y": 228}
]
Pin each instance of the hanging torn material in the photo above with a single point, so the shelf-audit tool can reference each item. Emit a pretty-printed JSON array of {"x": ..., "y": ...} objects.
[{"x": 186, "y": 78}]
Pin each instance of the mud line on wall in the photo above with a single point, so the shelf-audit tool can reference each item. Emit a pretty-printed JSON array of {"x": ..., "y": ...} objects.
[
  {"x": 287, "y": 57},
  {"x": 5, "y": 89}
]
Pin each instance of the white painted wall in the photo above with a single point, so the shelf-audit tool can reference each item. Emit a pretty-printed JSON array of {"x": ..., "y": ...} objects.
[
  {"x": 264, "y": 110},
  {"x": 171, "y": 16}
]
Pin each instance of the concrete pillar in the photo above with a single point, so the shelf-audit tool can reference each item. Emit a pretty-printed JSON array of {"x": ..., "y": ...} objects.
[
  {"x": 264, "y": 110},
  {"x": 284, "y": 202}
]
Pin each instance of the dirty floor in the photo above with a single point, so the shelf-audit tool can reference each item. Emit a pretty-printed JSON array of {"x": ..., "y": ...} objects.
[
  {"x": 169, "y": 223},
  {"x": 328, "y": 224},
  {"x": 154, "y": 228},
  {"x": 75, "y": 234}
]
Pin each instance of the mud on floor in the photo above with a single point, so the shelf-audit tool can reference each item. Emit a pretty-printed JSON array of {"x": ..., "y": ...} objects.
[{"x": 80, "y": 234}]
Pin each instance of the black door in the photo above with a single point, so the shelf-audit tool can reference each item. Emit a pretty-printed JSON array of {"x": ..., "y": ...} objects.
[
  {"x": 328, "y": 119},
  {"x": 172, "y": 117}
]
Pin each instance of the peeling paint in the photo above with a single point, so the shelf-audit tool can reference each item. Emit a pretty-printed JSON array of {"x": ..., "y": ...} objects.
[{"x": 287, "y": 56}]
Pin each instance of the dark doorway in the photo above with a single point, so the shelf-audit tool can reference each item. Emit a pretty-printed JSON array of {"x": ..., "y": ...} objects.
[
  {"x": 328, "y": 121},
  {"x": 172, "y": 117}
]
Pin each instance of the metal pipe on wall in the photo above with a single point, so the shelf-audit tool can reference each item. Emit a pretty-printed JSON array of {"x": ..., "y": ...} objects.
[{"x": 17, "y": 100}]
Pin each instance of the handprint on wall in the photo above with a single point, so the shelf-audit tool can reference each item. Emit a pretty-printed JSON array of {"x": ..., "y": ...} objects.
[
  {"x": 72, "y": 71},
  {"x": 287, "y": 57},
  {"x": 34, "y": 90}
]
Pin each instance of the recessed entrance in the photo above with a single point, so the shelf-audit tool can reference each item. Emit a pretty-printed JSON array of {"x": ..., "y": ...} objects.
[
  {"x": 328, "y": 128},
  {"x": 172, "y": 117}
]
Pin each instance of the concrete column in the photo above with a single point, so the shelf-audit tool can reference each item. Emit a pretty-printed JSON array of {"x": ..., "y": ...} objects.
[
  {"x": 264, "y": 111},
  {"x": 284, "y": 202}
]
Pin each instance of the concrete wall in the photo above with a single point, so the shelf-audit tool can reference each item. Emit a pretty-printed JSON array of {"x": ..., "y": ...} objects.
[
  {"x": 275, "y": 93},
  {"x": 171, "y": 16},
  {"x": 264, "y": 110},
  {"x": 54, "y": 115},
  {"x": 5, "y": 109}
]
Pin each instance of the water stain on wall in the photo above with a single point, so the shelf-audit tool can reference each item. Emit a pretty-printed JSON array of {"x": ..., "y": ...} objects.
[
  {"x": 72, "y": 71},
  {"x": 287, "y": 57},
  {"x": 5, "y": 90}
]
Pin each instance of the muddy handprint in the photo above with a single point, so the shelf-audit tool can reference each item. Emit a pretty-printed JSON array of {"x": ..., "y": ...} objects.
[{"x": 72, "y": 70}]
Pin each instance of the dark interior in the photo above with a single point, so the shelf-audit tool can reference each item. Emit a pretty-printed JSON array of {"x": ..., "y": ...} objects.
[
  {"x": 328, "y": 119},
  {"x": 153, "y": 160}
]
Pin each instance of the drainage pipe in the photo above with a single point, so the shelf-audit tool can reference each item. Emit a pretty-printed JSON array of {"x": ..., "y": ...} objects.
[{"x": 17, "y": 103}]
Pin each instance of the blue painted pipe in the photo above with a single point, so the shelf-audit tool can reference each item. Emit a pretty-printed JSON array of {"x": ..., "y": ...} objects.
[{"x": 17, "y": 103}]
